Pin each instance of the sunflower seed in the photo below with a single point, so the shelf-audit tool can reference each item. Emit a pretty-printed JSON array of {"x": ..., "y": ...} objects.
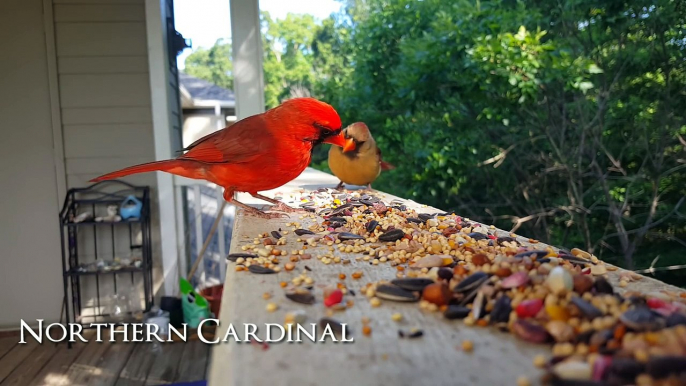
[
  {"x": 301, "y": 296},
  {"x": 260, "y": 269},
  {"x": 501, "y": 310},
  {"x": 336, "y": 326},
  {"x": 395, "y": 293},
  {"x": 414, "y": 220},
  {"x": 349, "y": 236},
  {"x": 662, "y": 367},
  {"x": 372, "y": 225},
  {"x": 586, "y": 308},
  {"x": 412, "y": 284},
  {"x": 235, "y": 256},
  {"x": 276, "y": 235},
  {"x": 456, "y": 312},
  {"x": 502, "y": 240},
  {"x": 471, "y": 281},
  {"x": 301, "y": 232},
  {"x": 392, "y": 235},
  {"x": 602, "y": 286},
  {"x": 642, "y": 319},
  {"x": 477, "y": 236},
  {"x": 537, "y": 254},
  {"x": 426, "y": 216}
]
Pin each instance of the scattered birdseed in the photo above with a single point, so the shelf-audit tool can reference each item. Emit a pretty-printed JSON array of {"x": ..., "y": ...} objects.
[
  {"x": 397, "y": 317},
  {"x": 523, "y": 381},
  {"x": 366, "y": 330},
  {"x": 467, "y": 345},
  {"x": 271, "y": 307},
  {"x": 539, "y": 294}
]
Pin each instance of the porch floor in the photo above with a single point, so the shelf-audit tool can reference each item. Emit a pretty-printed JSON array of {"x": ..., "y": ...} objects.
[{"x": 101, "y": 364}]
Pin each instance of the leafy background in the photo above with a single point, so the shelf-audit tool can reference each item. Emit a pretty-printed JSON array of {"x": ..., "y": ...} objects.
[{"x": 564, "y": 121}]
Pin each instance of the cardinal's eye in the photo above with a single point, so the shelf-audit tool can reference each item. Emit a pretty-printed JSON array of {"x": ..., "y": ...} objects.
[{"x": 323, "y": 130}]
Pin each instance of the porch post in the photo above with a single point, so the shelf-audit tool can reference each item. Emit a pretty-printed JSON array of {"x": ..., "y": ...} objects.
[
  {"x": 159, "y": 81},
  {"x": 248, "y": 83}
]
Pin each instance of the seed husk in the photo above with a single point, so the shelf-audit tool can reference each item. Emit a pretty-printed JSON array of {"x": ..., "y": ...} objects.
[
  {"x": 349, "y": 236},
  {"x": 412, "y": 283},
  {"x": 276, "y": 235},
  {"x": 392, "y": 235},
  {"x": 395, "y": 293},
  {"x": 412, "y": 334},
  {"x": 301, "y": 296},
  {"x": 455, "y": 311},
  {"x": 414, "y": 220},
  {"x": 235, "y": 256},
  {"x": 301, "y": 232},
  {"x": 586, "y": 308},
  {"x": 372, "y": 225},
  {"x": 530, "y": 332},
  {"x": 258, "y": 269}
]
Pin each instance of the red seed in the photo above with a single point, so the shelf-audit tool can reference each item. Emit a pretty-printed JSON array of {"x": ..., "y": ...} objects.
[
  {"x": 655, "y": 303},
  {"x": 529, "y": 308},
  {"x": 334, "y": 298}
]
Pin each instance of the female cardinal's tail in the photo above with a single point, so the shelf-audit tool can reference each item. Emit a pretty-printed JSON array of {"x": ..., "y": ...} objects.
[{"x": 185, "y": 168}]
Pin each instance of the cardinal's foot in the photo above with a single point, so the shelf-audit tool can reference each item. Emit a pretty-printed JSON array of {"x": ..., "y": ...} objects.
[
  {"x": 281, "y": 207},
  {"x": 340, "y": 186},
  {"x": 258, "y": 213}
]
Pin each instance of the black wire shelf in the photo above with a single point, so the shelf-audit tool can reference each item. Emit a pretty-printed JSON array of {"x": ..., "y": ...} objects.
[{"x": 89, "y": 246}]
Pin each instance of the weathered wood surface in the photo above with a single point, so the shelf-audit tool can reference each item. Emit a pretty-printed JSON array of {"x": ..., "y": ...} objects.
[{"x": 380, "y": 359}]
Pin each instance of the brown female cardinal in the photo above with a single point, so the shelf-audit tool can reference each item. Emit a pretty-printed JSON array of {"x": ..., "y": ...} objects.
[
  {"x": 359, "y": 162},
  {"x": 258, "y": 153}
]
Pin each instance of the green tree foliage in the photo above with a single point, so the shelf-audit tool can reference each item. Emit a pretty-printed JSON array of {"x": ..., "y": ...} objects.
[
  {"x": 213, "y": 64},
  {"x": 563, "y": 120}
]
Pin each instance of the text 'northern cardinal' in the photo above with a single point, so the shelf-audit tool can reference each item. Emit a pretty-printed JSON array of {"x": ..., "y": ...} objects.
[{"x": 258, "y": 153}]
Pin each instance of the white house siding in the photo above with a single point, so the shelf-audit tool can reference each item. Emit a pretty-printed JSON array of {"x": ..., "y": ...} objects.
[
  {"x": 104, "y": 90},
  {"x": 30, "y": 269}
]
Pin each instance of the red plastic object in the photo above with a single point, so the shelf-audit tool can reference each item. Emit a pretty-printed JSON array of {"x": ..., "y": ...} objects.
[{"x": 214, "y": 297}]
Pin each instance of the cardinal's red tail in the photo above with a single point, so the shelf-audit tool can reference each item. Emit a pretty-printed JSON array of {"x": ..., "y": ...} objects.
[{"x": 180, "y": 167}]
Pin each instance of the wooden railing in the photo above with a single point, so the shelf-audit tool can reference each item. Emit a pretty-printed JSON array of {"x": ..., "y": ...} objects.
[{"x": 377, "y": 356}]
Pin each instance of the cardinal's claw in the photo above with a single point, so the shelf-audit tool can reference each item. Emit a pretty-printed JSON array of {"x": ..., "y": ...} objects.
[
  {"x": 260, "y": 214},
  {"x": 340, "y": 186}
]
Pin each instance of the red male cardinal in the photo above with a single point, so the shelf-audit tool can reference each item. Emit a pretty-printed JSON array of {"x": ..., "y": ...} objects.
[{"x": 258, "y": 153}]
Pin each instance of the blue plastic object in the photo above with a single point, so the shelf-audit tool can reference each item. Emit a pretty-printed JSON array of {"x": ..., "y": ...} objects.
[{"x": 130, "y": 208}]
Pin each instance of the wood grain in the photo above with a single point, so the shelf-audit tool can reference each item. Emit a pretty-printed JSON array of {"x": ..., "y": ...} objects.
[{"x": 14, "y": 357}]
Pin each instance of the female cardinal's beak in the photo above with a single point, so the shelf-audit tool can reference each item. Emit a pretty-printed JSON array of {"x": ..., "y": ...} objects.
[
  {"x": 349, "y": 145},
  {"x": 339, "y": 140}
]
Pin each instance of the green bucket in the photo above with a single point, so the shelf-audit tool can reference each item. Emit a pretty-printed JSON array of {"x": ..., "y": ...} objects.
[{"x": 195, "y": 307}]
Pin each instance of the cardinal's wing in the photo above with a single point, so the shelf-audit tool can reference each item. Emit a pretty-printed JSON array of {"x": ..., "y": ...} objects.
[{"x": 241, "y": 142}]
